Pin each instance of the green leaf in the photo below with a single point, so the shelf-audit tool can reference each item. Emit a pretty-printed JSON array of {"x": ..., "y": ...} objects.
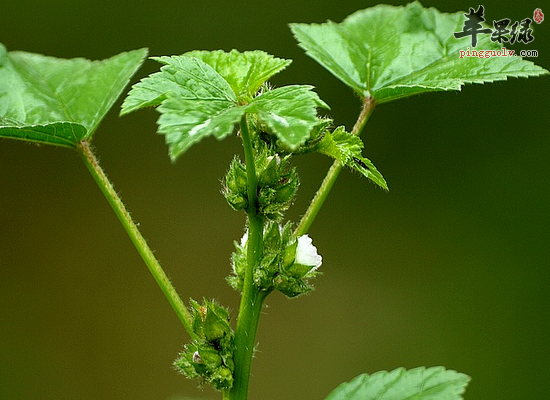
[
  {"x": 185, "y": 122},
  {"x": 56, "y": 101},
  {"x": 245, "y": 72},
  {"x": 422, "y": 383},
  {"x": 198, "y": 98},
  {"x": 183, "y": 77},
  {"x": 195, "y": 102},
  {"x": 388, "y": 52},
  {"x": 289, "y": 111},
  {"x": 347, "y": 148},
  {"x": 63, "y": 134}
]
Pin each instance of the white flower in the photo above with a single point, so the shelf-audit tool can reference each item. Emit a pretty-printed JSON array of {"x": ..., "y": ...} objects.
[{"x": 306, "y": 253}]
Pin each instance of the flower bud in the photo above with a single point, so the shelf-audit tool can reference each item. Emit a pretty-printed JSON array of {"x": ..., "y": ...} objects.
[
  {"x": 235, "y": 185},
  {"x": 222, "y": 378},
  {"x": 210, "y": 321},
  {"x": 285, "y": 193},
  {"x": 236, "y": 176},
  {"x": 289, "y": 254},
  {"x": 216, "y": 322},
  {"x": 269, "y": 175}
]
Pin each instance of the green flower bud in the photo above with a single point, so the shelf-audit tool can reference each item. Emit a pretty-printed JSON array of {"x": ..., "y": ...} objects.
[
  {"x": 298, "y": 271},
  {"x": 198, "y": 321},
  {"x": 289, "y": 254},
  {"x": 269, "y": 175},
  {"x": 210, "y": 320},
  {"x": 236, "y": 176},
  {"x": 263, "y": 275},
  {"x": 272, "y": 236},
  {"x": 285, "y": 193},
  {"x": 236, "y": 201},
  {"x": 216, "y": 322},
  {"x": 235, "y": 185},
  {"x": 291, "y": 287},
  {"x": 208, "y": 356},
  {"x": 222, "y": 378},
  {"x": 275, "y": 199}
]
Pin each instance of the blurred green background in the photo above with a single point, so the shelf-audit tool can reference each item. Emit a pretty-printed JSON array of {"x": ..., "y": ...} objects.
[{"x": 451, "y": 267}]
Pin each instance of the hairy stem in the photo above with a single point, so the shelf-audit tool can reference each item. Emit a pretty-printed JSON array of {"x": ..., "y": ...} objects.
[
  {"x": 333, "y": 172},
  {"x": 251, "y": 299},
  {"x": 135, "y": 236}
]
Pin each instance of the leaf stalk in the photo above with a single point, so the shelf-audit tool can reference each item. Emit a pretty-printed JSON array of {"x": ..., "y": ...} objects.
[
  {"x": 91, "y": 162},
  {"x": 333, "y": 172}
]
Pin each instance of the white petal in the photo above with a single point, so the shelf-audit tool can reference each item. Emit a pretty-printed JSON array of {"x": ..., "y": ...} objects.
[{"x": 306, "y": 253}]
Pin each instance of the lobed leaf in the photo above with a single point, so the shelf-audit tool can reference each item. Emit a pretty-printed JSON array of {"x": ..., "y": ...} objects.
[
  {"x": 435, "y": 383},
  {"x": 201, "y": 93},
  {"x": 289, "y": 111},
  {"x": 347, "y": 148},
  {"x": 58, "y": 101},
  {"x": 388, "y": 52},
  {"x": 245, "y": 72},
  {"x": 184, "y": 77},
  {"x": 195, "y": 102},
  {"x": 185, "y": 122}
]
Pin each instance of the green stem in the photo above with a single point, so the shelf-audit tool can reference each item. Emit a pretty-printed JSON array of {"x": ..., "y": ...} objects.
[
  {"x": 135, "y": 236},
  {"x": 333, "y": 172},
  {"x": 245, "y": 342},
  {"x": 319, "y": 199},
  {"x": 252, "y": 298}
]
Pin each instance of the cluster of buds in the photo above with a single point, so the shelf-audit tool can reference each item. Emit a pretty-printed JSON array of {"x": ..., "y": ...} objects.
[
  {"x": 277, "y": 184},
  {"x": 287, "y": 262},
  {"x": 210, "y": 356}
]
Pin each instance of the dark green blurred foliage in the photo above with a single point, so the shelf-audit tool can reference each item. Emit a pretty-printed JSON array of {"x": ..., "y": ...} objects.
[{"x": 451, "y": 267}]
